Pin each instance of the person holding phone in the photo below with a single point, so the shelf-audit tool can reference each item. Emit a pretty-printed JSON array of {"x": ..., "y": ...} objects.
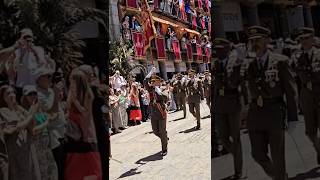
[{"x": 17, "y": 130}]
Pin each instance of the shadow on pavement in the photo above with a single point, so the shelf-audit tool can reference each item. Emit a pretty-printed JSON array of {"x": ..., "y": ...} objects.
[
  {"x": 154, "y": 157},
  {"x": 177, "y": 119},
  {"x": 206, "y": 117},
  {"x": 131, "y": 172},
  {"x": 150, "y": 132},
  {"x": 189, "y": 130},
  {"x": 312, "y": 174}
]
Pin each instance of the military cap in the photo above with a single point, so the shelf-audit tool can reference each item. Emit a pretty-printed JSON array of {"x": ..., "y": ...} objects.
[
  {"x": 258, "y": 32},
  {"x": 220, "y": 43},
  {"x": 192, "y": 72},
  {"x": 179, "y": 75},
  {"x": 304, "y": 32},
  {"x": 155, "y": 78}
]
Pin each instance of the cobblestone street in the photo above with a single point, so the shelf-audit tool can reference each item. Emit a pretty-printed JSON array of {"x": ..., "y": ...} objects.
[{"x": 136, "y": 151}]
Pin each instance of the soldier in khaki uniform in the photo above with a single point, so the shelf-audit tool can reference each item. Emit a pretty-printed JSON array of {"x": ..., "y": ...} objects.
[
  {"x": 195, "y": 95},
  {"x": 207, "y": 87},
  {"x": 227, "y": 105},
  {"x": 307, "y": 67},
  {"x": 181, "y": 91},
  {"x": 270, "y": 80},
  {"x": 158, "y": 100}
]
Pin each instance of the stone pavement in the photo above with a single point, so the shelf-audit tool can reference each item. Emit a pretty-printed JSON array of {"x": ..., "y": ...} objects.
[
  {"x": 300, "y": 159},
  {"x": 189, "y": 151}
]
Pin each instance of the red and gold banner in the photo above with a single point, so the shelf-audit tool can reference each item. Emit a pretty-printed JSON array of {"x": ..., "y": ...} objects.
[
  {"x": 148, "y": 25},
  {"x": 199, "y": 52},
  {"x": 160, "y": 45},
  {"x": 176, "y": 49},
  {"x": 194, "y": 22},
  {"x": 208, "y": 55},
  {"x": 189, "y": 52},
  {"x": 207, "y": 5},
  {"x": 203, "y": 23},
  {"x": 137, "y": 38},
  {"x": 183, "y": 11},
  {"x": 132, "y": 4},
  {"x": 200, "y": 4},
  {"x": 156, "y": 4}
]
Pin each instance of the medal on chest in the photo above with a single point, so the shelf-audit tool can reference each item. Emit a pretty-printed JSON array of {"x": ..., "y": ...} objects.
[
  {"x": 260, "y": 101},
  {"x": 221, "y": 91},
  {"x": 309, "y": 85}
]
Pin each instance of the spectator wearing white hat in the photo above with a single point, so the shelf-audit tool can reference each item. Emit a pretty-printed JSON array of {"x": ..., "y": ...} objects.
[
  {"x": 40, "y": 136},
  {"x": 49, "y": 99}
]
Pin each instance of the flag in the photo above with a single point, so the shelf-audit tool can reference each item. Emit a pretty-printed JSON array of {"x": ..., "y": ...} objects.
[
  {"x": 137, "y": 38},
  {"x": 160, "y": 44},
  {"x": 176, "y": 49},
  {"x": 148, "y": 25},
  {"x": 189, "y": 52},
  {"x": 132, "y": 4}
]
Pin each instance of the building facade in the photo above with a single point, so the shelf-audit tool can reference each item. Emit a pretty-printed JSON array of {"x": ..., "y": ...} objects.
[
  {"x": 182, "y": 38},
  {"x": 282, "y": 17}
]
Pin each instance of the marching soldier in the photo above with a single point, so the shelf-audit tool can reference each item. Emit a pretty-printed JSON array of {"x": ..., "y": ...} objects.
[
  {"x": 158, "y": 100},
  {"x": 227, "y": 100},
  {"x": 195, "y": 95},
  {"x": 180, "y": 89},
  {"x": 207, "y": 88},
  {"x": 269, "y": 80},
  {"x": 307, "y": 67}
]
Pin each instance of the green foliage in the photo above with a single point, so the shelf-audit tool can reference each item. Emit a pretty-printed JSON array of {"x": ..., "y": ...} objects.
[
  {"x": 52, "y": 22},
  {"x": 121, "y": 58}
]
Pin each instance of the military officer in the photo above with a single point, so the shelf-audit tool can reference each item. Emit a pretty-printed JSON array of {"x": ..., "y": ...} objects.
[
  {"x": 195, "y": 95},
  {"x": 158, "y": 100},
  {"x": 180, "y": 89},
  {"x": 207, "y": 87},
  {"x": 269, "y": 81},
  {"x": 227, "y": 100},
  {"x": 307, "y": 67}
]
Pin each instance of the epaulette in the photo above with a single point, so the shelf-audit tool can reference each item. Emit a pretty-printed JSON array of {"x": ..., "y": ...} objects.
[{"x": 278, "y": 57}]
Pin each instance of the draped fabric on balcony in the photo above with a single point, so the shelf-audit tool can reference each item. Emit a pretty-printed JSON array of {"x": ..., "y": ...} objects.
[
  {"x": 156, "y": 4},
  {"x": 208, "y": 55},
  {"x": 189, "y": 52},
  {"x": 137, "y": 38},
  {"x": 194, "y": 22},
  {"x": 132, "y": 4},
  {"x": 176, "y": 49},
  {"x": 199, "y": 52},
  {"x": 200, "y": 4},
  {"x": 160, "y": 45}
]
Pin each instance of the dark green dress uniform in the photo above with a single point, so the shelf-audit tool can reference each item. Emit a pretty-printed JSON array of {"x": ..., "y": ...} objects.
[
  {"x": 181, "y": 92},
  {"x": 270, "y": 80},
  {"x": 207, "y": 89},
  {"x": 158, "y": 113},
  {"x": 195, "y": 95},
  {"x": 308, "y": 69},
  {"x": 227, "y": 103}
]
